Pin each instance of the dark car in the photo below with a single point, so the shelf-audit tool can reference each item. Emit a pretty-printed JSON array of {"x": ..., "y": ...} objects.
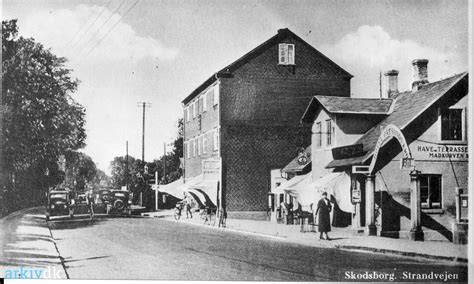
[
  {"x": 60, "y": 202},
  {"x": 104, "y": 196},
  {"x": 119, "y": 202}
]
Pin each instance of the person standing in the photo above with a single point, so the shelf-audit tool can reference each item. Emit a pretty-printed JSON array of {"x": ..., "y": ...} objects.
[
  {"x": 324, "y": 220},
  {"x": 187, "y": 204}
]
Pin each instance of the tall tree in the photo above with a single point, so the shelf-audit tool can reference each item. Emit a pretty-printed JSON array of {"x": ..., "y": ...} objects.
[{"x": 41, "y": 120}]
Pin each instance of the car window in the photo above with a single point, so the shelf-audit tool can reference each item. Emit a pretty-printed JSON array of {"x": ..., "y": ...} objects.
[{"x": 58, "y": 195}]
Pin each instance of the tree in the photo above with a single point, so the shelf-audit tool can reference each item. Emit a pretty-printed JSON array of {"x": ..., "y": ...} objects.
[
  {"x": 80, "y": 170},
  {"x": 41, "y": 120}
]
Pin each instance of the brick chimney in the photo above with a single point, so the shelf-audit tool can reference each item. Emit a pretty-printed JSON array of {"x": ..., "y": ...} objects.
[
  {"x": 420, "y": 74},
  {"x": 392, "y": 83}
]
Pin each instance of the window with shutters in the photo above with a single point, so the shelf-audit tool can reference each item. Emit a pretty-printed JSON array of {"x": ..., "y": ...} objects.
[
  {"x": 204, "y": 144},
  {"x": 215, "y": 95},
  {"x": 216, "y": 140},
  {"x": 330, "y": 131},
  {"x": 204, "y": 102},
  {"x": 286, "y": 54},
  {"x": 188, "y": 149}
]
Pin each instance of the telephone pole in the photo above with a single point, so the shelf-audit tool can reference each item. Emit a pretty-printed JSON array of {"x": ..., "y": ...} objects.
[
  {"x": 143, "y": 105},
  {"x": 126, "y": 166}
]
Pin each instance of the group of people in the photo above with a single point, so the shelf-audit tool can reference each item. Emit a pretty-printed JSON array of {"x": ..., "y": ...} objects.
[{"x": 323, "y": 210}]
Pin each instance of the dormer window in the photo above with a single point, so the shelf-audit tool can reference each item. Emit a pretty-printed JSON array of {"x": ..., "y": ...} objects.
[{"x": 286, "y": 54}]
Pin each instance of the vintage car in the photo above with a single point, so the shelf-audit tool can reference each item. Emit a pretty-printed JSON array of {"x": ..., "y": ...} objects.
[
  {"x": 103, "y": 196},
  {"x": 60, "y": 202},
  {"x": 119, "y": 202}
]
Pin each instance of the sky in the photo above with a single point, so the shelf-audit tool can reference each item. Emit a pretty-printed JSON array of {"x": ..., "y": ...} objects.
[{"x": 129, "y": 51}]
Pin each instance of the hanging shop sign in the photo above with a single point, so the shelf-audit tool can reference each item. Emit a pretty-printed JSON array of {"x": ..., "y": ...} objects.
[{"x": 407, "y": 164}]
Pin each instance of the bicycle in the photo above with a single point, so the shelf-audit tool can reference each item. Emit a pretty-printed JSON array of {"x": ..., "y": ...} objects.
[{"x": 206, "y": 216}]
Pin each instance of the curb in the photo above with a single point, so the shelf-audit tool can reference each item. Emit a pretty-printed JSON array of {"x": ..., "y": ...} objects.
[
  {"x": 403, "y": 253},
  {"x": 343, "y": 247},
  {"x": 228, "y": 229}
]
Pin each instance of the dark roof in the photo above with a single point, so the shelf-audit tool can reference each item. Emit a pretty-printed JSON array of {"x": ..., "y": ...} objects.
[
  {"x": 226, "y": 71},
  {"x": 295, "y": 166},
  {"x": 407, "y": 107},
  {"x": 348, "y": 105}
]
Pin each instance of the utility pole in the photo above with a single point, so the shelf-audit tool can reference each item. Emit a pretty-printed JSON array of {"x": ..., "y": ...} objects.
[
  {"x": 164, "y": 161},
  {"x": 126, "y": 166},
  {"x": 143, "y": 105}
]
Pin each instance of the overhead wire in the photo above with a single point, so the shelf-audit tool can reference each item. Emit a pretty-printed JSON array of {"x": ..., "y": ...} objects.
[
  {"x": 92, "y": 24},
  {"x": 110, "y": 30},
  {"x": 98, "y": 31}
]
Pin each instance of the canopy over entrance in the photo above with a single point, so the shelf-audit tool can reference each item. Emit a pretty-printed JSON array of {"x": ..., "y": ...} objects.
[
  {"x": 203, "y": 191},
  {"x": 335, "y": 184}
]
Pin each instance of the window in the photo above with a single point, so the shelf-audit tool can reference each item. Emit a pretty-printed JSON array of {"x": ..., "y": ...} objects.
[
  {"x": 194, "y": 105},
  {"x": 215, "y": 94},
  {"x": 204, "y": 144},
  {"x": 430, "y": 191},
  {"x": 451, "y": 124},
  {"x": 188, "y": 149},
  {"x": 199, "y": 140},
  {"x": 330, "y": 133},
  {"x": 204, "y": 102},
  {"x": 200, "y": 106},
  {"x": 216, "y": 140},
  {"x": 286, "y": 54},
  {"x": 194, "y": 147},
  {"x": 186, "y": 111},
  {"x": 319, "y": 135}
]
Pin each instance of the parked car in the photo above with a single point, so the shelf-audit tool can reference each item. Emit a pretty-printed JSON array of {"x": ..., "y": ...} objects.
[
  {"x": 60, "y": 202},
  {"x": 119, "y": 202}
]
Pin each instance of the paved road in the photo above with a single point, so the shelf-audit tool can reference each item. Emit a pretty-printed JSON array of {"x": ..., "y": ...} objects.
[{"x": 153, "y": 248}]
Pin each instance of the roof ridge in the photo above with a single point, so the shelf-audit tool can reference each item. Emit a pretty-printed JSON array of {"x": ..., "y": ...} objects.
[{"x": 284, "y": 32}]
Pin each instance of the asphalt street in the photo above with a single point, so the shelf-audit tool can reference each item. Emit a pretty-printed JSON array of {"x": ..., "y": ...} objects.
[{"x": 154, "y": 248}]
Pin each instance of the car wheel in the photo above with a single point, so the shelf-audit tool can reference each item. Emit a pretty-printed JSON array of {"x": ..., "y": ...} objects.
[{"x": 119, "y": 204}]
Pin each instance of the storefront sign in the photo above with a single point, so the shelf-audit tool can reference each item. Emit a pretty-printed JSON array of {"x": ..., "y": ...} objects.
[
  {"x": 441, "y": 152},
  {"x": 390, "y": 131},
  {"x": 349, "y": 151},
  {"x": 361, "y": 170},
  {"x": 211, "y": 169}
]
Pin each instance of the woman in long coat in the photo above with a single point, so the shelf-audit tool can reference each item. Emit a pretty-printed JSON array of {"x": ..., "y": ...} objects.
[{"x": 324, "y": 221}]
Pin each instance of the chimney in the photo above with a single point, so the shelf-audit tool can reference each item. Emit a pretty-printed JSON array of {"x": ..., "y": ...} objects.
[
  {"x": 420, "y": 74},
  {"x": 392, "y": 83}
]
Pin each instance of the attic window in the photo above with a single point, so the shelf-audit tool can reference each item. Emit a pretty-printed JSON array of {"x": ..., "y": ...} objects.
[{"x": 286, "y": 54}]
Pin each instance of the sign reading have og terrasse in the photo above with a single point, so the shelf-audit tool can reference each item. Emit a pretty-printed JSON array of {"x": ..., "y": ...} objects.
[{"x": 425, "y": 151}]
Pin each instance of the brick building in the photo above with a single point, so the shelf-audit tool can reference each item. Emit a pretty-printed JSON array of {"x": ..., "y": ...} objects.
[{"x": 247, "y": 117}]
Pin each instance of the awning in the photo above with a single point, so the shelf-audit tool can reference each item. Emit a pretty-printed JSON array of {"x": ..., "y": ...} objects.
[
  {"x": 174, "y": 188},
  {"x": 292, "y": 183},
  {"x": 335, "y": 184},
  {"x": 203, "y": 191}
]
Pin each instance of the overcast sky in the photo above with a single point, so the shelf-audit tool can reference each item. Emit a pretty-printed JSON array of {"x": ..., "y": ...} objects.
[{"x": 160, "y": 51}]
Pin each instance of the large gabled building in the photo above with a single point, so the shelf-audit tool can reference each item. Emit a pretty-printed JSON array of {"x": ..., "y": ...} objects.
[
  {"x": 246, "y": 117},
  {"x": 402, "y": 159}
]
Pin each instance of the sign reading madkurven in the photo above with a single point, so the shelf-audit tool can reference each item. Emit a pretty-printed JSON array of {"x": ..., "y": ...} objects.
[{"x": 441, "y": 152}]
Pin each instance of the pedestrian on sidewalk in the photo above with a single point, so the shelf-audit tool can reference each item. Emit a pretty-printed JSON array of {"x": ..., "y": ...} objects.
[
  {"x": 324, "y": 221},
  {"x": 187, "y": 203}
]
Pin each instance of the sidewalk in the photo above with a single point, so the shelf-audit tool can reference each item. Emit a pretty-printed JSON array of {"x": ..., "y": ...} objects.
[{"x": 340, "y": 238}]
